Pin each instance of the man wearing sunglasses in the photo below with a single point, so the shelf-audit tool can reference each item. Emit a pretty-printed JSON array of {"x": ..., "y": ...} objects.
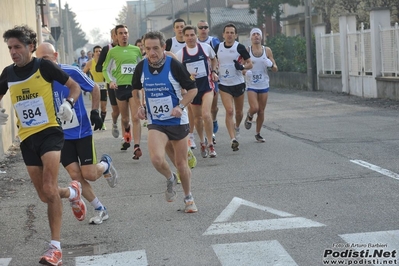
[{"x": 203, "y": 37}]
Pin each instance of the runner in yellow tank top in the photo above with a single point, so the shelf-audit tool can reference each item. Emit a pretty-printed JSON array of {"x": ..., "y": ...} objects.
[
  {"x": 29, "y": 81},
  {"x": 98, "y": 78}
]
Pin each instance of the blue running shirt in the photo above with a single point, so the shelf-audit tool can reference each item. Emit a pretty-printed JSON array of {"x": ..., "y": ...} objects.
[{"x": 79, "y": 126}]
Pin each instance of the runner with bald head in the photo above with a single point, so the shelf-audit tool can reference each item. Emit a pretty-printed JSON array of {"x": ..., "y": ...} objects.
[{"x": 78, "y": 155}]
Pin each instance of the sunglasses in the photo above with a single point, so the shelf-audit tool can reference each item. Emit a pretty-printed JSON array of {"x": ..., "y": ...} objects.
[{"x": 203, "y": 27}]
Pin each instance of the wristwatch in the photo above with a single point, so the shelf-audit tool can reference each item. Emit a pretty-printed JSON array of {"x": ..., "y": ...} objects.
[
  {"x": 70, "y": 101},
  {"x": 181, "y": 106},
  {"x": 215, "y": 72}
]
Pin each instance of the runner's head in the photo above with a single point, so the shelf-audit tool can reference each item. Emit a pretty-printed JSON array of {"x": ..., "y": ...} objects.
[
  {"x": 203, "y": 29},
  {"x": 21, "y": 42},
  {"x": 190, "y": 36},
  {"x": 47, "y": 51},
  {"x": 154, "y": 46},
  {"x": 122, "y": 34},
  {"x": 178, "y": 26}
]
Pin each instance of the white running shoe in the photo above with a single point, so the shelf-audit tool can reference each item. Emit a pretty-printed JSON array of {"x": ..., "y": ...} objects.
[{"x": 101, "y": 215}]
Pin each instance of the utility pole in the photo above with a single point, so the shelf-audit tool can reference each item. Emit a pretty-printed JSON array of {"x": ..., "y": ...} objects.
[
  {"x": 61, "y": 41},
  {"x": 173, "y": 11},
  {"x": 308, "y": 36},
  {"x": 208, "y": 13},
  {"x": 188, "y": 13},
  {"x": 39, "y": 23}
]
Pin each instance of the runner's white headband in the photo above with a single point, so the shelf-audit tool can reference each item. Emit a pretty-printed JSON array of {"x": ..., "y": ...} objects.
[{"x": 256, "y": 30}]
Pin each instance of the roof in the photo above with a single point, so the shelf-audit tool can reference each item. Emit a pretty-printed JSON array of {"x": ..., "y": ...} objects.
[
  {"x": 223, "y": 15},
  {"x": 200, "y": 6},
  {"x": 166, "y": 9}
]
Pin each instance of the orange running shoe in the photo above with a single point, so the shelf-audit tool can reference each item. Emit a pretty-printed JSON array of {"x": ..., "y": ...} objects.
[
  {"x": 127, "y": 136},
  {"x": 53, "y": 256},
  {"x": 77, "y": 204}
]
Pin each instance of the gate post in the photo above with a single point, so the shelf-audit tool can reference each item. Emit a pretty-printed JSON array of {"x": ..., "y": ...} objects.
[
  {"x": 379, "y": 18},
  {"x": 346, "y": 23}
]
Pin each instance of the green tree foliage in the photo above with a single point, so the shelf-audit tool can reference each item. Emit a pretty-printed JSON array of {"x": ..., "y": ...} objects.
[
  {"x": 290, "y": 53},
  {"x": 271, "y": 8},
  {"x": 78, "y": 36}
]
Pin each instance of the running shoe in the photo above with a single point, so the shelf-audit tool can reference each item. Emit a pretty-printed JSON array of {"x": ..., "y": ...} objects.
[
  {"x": 115, "y": 131},
  {"x": 125, "y": 145},
  {"x": 111, "y": 175},
  {"x": 104, "y": 128},
  {"x": 204, "y": 150},
  {"x": 237, "y": 132},
  {"x": 127, "y": 136},
  {"x": 248, "y": 121},
  {"x": 215, "y": 127},
  {"x": 212, "y": 152},
  {"x": 77, "y": 204},
  {"x": 234, "y": 145},
  {"x": 137, "y": 153},
  {"x": 259, "y": 138},
  {"x": 53, "y": 256},
  {"x": 190, "y": 205},
  {"x": 101, "y": 215},
  {"x": 213, "y": 139},
  {"x": 191, "y": 142},
  {"x": 170, "y": 192},
  {"x": 192, "y": 160}
]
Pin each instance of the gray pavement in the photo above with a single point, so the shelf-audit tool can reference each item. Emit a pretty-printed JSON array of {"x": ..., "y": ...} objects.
[{"x": 297, "y": 199}]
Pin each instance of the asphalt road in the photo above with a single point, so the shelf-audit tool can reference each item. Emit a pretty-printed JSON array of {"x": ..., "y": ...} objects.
[{"x": 323, "y": 186}]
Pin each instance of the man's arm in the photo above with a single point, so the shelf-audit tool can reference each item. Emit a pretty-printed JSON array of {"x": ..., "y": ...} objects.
[
  {"x": 242, "y": 50},
  {"x": 168, "y": 43},
  {"x": 107, "y": 70},
  {"x": 137, "y": 93},
  {"x": 95, "y": 98},
  {"x": 74, "y": 89},
  {"x": 101, "y": 59},
  {"x": 87, "y": 66}
]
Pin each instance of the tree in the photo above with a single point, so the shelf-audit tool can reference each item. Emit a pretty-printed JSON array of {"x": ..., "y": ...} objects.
[
  {"x": 122, "y": 16},
  {"x": 269, "y": 8},
  {"x": 78, "y": 36},
  {"x": 98, "y": 37},
  {"x": 325, "y": 7}
]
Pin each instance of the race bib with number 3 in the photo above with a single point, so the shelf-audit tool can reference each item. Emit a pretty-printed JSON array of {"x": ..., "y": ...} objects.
[{"x": 161, "y": 108}]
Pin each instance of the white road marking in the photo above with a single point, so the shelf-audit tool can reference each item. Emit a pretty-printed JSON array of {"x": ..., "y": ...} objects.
[
  {"x": 5, "y": 261},
  {"x": 222, "y": 226},
  {"x": 260, "y": 225},
  {"x": 390, "y": 238},
  {"x": 260, "y": 253},
  {"x": 233, "y": 206},
  {"x": 376, "y": 169},
  {"x": 128, "y": 258}
]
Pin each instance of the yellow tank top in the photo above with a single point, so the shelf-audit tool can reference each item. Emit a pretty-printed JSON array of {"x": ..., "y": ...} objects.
[
  {"x": 32, "y": 99},
  {"x": 97, "y": 76}
]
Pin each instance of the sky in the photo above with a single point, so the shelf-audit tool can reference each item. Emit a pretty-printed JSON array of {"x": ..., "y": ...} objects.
[{"x": 92, "y": 14}]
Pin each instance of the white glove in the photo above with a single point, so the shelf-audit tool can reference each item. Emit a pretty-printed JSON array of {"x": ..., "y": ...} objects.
[
  {"x": 268, "y": 62},
  {"x": 65, "y": 111},
  {"x": 3, "y": 116}
]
